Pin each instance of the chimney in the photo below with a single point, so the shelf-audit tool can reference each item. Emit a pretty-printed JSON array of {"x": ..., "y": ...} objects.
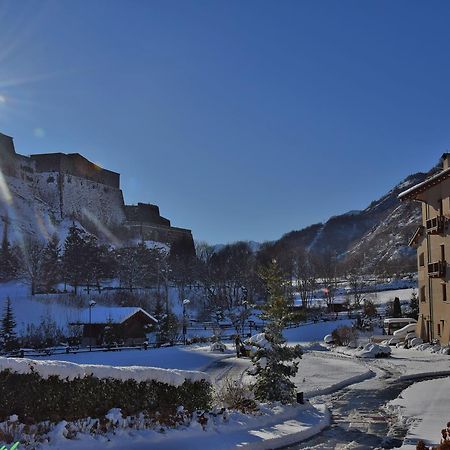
[{"x": 445, "y": 161}]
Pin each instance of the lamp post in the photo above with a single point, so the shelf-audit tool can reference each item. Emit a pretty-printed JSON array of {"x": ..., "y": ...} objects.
[
  {"x": 185, "y": 302},
  {"x": 92, "y": 303}
]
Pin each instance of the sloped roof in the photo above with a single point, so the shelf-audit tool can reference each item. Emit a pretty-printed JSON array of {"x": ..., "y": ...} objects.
[
  {"x": 104, "y": 314},
  {"x": 414, "y": 191}
]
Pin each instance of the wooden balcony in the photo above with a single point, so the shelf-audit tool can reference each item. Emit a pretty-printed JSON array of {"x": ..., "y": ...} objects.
[
  {"x": 437, "y": 225},
  {"x": 437, "y": 269}
]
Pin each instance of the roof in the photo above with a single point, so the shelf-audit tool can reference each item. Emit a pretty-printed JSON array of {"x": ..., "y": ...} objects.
[
  {"x": 414, "y": 191},
  {"x": 400, "y": 320},
  {"x": 104, "y": 314}
]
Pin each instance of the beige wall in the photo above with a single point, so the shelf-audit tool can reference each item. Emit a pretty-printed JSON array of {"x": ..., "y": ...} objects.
[{"x": 434, "y": 318}]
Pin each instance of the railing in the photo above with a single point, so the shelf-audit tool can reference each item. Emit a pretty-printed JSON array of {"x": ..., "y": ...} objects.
[
  {"x": 437, "y": 269},
  {"x": 436, "y": 225}
]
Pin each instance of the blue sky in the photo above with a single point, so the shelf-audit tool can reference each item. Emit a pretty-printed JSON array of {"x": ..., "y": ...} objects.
[{"x": 240, "y": 119}]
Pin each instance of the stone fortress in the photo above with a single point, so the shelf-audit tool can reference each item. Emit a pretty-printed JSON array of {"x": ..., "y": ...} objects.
[{"x": 72, "y": 187}]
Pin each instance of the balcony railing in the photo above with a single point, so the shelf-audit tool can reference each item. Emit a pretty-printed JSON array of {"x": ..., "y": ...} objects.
[
  {"x": 437, "y": 269},
  {"x": 436, "y": 225}
]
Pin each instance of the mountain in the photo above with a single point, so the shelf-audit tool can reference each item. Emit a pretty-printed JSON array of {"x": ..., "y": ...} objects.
[{"x": 379, "y": 233}]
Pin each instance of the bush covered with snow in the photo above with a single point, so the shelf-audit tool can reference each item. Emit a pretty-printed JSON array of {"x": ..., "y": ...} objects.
[
  {"x": 36, "y": 392},
  {"x": 344, "y": 336},
  {"x": 372, "y": 350},
  {"x": 218, "y": 347}
]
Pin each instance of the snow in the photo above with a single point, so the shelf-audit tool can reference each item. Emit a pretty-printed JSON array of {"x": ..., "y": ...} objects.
[
  {"x": 314, "y": 332},
  {"x": 260, "y": 341},
  {"x": 322, "y": 373},
  {"x": 274, "y": 426},
  {"x": 424, "y": 406},
  {"x": 68, "y": 370},
  {"x": 194, "y": 357},
  {"x": 371, "y": 350}
]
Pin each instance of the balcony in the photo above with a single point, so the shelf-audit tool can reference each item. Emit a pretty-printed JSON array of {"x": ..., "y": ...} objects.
[
  {"x": 437, "y": 269},
  {"x": 437, "y": 225}
]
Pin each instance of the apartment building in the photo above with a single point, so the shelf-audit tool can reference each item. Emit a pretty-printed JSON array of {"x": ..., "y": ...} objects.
[{"x": 432, "y": 240}]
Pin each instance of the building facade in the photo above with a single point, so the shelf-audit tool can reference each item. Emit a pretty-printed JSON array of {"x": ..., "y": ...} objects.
[{"x": 432, "y": 240}]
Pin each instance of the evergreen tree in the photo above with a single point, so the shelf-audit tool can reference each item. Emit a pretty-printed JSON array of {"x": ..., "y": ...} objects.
[
  {"x": 8, "y": 260},
  {"x": 51, "y": 264},
  {"x": 274, "y": 360},
  {"x": 74, "y": 257},
  {"x": 8, "y": 337},
  {"x": 414, "y": 306},
  {"x": 397, "y": 308}
]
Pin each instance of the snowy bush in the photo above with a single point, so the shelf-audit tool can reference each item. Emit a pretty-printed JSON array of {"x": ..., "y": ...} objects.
[
  {"x": 35, "y": 398},
  {"x": 218, "y": 347},
  {"x": 234, "y": 394},
  {"x": 344, "y": 335}
]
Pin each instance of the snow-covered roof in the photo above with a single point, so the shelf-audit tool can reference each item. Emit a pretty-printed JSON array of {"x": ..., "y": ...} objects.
[
  {"x": 413, "y": 191},
  {"x": 104, "y": 314},
  {"x": 400, "y": 320}
]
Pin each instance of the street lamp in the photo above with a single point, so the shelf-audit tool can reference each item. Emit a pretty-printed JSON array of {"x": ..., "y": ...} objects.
[
  {"x": 92, "y": 303},
  {"x": 185, "y": 302}
]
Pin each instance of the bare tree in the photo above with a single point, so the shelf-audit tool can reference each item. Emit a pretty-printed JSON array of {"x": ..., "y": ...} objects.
[
  {"x": 305, "y": 274},
  {"x": 32, "y": 261}
]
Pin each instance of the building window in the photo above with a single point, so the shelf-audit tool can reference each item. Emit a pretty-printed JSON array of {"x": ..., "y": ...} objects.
[
  {"x": 439, "y": 329},
  {"x": 422, "y": 294},
  {"x": 442, "y": 252},
  {"x": 441, "y": 207},
  {"x": 444, "y": 292},
  {"x": 421, "y": 260}
]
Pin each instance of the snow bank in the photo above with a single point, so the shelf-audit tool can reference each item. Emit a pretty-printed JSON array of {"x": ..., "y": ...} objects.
[
  {"x": 69, "y": 371},
  {"x": 373, "y": 351},
  {"x": 424, "y": 408}
]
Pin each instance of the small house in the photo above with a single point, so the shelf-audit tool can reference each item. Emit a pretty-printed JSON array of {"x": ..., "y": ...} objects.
[{"x": 127, "y": 325}]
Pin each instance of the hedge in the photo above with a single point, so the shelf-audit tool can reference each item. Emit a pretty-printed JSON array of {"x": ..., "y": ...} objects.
[{"x": 35, "y": 399}]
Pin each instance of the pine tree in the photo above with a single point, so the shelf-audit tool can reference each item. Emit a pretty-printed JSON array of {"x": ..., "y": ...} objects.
[
  {"x": 74, "y": 257},
  {"x": 414, "y": 306},
  {"x": 51, "y": 264},
  {"x": 8, "y": 259},
  {"x": 274, "y": 360},
  {"x": 8, "y": 335},
  {"x": 397, "y": 308}
]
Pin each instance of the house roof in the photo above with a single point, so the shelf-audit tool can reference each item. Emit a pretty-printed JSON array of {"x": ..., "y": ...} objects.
[
  {"x": 414, "y": 191},
  {"x": 104, "y": 314}
]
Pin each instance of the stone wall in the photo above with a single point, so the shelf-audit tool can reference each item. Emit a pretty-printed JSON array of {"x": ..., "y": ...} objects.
[
  {"x": 145, "y": 213},
  {"x": 77, "y": 165}
]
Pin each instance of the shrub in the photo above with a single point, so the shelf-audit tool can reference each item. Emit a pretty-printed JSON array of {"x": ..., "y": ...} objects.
[
  {"x": 36, "y": 399},
  {"x": 235, "y": 394},
  {"x": 344, "y": 335}
]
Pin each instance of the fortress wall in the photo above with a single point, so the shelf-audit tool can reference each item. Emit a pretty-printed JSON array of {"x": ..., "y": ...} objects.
[
  {"x": 158, "y": 233},
  {"x": 76, "y": 165},
  {"x": 81, "y": 199}
]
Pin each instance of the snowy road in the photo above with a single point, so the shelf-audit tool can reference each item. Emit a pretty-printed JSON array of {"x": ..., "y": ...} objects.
[{"x": 360, "y": 420}]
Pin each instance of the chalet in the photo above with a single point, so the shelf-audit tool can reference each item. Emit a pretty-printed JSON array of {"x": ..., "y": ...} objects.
[
  {"x": 128, "y": 325},
  {"x": 432, "y": 240}
]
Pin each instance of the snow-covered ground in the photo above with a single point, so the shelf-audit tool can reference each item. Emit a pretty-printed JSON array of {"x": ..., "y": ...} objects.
[
  {"x": 424, "y": 407},
  {"x": 313, "y": 332},
  {"x": 274, "y": 427},
  {"x": 195, "y": 357}
]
